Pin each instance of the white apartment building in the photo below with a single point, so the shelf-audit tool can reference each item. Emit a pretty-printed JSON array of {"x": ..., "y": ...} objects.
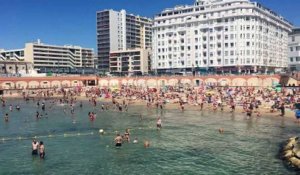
[
  {"x": 220, "y": 35},
  {"x": 294, "y": 50},
  {"x": 117, "y": 30},
  {"x": 130, "y": 62},
  {"x": 54, "y": 58}
]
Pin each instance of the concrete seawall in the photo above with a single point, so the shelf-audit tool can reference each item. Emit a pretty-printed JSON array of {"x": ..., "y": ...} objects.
[{"x": 155, "y": 82}]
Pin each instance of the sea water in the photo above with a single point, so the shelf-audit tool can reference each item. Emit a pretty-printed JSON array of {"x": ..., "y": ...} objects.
[{"x": 188, "y": 143}]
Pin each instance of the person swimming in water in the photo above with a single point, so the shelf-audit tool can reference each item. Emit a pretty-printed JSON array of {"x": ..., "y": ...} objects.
[
  {"x": 118, "y": 140},
  {"x": 35, "y": 146},
  {"x": 42, "y": 150},
  {"x": 146, "y": 144}
]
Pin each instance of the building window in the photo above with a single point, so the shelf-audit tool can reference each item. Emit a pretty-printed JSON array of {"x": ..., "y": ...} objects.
[
  {"x": 291, "y": 48},
  {"x": 293, "y": 38},
  {"x": 291, "y": 59}
]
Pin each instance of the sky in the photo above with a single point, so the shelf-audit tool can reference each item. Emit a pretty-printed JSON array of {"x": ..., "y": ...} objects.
[{"x": 73, "y": 22}]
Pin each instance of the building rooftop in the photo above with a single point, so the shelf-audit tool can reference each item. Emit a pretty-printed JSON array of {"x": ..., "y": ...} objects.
[
  {"x": 295, "y": 31},
  {"x": 38, "y": 42},
  {"x": 189, "y": 8}
]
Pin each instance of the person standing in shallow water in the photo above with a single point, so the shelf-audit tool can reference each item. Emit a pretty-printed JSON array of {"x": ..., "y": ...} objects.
[
  {"x": 35, "y": 145},
  {"x": 282, "y": 109},
  {"x": 42, "y": 150},
  {"x": 43, "y": 106},
  {"x": 158, "y": 123},
  {"x": 6, "y": 117}
]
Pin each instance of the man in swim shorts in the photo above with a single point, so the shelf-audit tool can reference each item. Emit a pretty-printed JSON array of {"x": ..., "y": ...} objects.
[{"x": 35, "y": 145}]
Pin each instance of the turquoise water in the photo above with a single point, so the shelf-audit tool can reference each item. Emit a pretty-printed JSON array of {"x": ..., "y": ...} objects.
[{"x": 189, "y": 142}]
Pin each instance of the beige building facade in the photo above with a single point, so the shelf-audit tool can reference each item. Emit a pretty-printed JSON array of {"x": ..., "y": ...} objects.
[{"x": 130, "y": 62}]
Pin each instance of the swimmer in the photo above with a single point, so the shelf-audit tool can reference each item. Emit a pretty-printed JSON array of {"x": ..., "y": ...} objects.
[
  {"x": 118, "y": 140},
  {"x": 6, "y": 117},
  {"x": 72, "y": 109},
  {"x": 37, "y": 115},
  {"x": 120, "y": 108},
  {"x": 43, "y": 106},
  {"x": 3, "y": 103},
  {"x": 146, "y": 144},
  {"x": 182, "y": 107},
  {"x": 258, "y": 114},
  {"x": 35, "y": 145},
  {"x": 126, "y": 134},
  {"x": 18, "y": 107},
  {"x": 42, "y": 150},
  {"x": 10, "y": 107},
  {"x": 221, "y": 130},
  {"x": 80, "y": 105},
  {"x": 158, "y": 123}
]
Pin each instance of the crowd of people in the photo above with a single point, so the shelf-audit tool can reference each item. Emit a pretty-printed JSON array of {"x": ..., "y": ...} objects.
[{"x": 253, "y": 102}]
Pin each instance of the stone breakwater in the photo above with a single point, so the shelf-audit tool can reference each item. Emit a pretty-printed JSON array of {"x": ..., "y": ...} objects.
[{"x": 291, "y": 152}]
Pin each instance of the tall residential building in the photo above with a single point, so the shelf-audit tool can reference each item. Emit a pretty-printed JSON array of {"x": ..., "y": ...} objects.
[
  {"x": 58, "y": 58},
  {"x": 294, "y": 50},
  {"x": 220, "y": 35},
  {"x": 120, "y": 31}
]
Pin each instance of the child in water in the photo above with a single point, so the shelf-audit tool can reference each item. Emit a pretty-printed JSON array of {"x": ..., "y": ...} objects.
[{"x": 6, "y": 117}]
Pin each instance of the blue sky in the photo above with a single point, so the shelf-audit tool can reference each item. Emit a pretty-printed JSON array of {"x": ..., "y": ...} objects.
[{"x": 73, "y": 22}]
